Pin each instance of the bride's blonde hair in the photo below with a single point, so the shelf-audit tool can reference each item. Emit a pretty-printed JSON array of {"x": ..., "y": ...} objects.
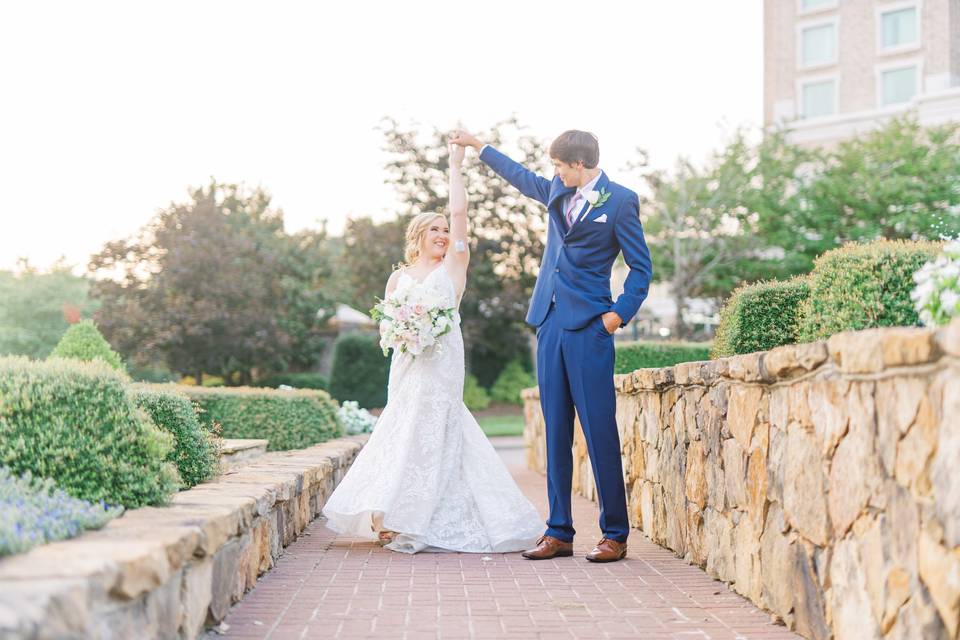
[{"x": 415, "y": 232}]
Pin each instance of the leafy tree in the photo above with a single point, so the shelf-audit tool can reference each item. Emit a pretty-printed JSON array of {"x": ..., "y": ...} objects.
[
  {"x": 506, "y": 238},
  {"x": 37, "y": 307},
  {"x": 214, "y": 285}
]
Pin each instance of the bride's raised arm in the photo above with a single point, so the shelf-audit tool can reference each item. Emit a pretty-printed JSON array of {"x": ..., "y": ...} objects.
[{"x": 458, "y": 255}]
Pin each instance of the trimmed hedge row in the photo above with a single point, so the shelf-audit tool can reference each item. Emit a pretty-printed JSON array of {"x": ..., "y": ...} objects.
[
  {"x": 303, "y": 380},
  {"x": 857, "y": 286},
  {"x": 360, "y": 371},
  {"x": 77, "y": 423},
  {"x": 760, "y": 316},
  {"x": 196, "y": 449},
  {"x": 288, "y": 419},
  {"x": 645, "y": 355}
]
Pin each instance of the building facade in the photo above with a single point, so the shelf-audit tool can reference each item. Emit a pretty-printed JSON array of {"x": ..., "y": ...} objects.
[{"x": 835, "y": 68}]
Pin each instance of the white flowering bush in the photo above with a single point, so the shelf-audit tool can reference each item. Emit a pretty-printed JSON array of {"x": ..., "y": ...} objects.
[
  {"x": 412, "y": 318},
  {"x": 937, "y": 294},
  {"x": 354, "y": 419},
  {"x": 33, "y": 511}
]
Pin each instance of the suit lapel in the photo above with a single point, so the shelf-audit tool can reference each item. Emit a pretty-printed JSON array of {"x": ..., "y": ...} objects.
[{"x": 555, "y": 204}]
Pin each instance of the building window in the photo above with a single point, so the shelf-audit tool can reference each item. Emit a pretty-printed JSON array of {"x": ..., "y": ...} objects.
[
  {"x": 808, "y": 6},
  {"x": 818, "y": 99},
  {"x": 818, "y": 45},
  {"x": 899, "y": 28},
  {"x": 898, "y": 85}
]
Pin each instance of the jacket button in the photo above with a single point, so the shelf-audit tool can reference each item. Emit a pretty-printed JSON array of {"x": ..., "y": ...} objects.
[{"x": 556, "y": 270}]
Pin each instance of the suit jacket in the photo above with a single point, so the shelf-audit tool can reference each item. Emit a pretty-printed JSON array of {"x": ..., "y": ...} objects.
[{"x": 576, "y": 262}]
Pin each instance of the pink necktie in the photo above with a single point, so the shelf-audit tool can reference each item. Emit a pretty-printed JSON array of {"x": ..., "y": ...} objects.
[{"x": 574, "y": 205}]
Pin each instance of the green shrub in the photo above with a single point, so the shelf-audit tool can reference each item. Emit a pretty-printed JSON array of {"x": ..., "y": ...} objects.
[
  {"x": 83, "y": 341},
  {"x": 511, "y": 381},
  {"x": 287, "y": 419},
  {"x": 645, "y": 355},
  {"x": 196, "y": 449},
  {"x": 760, "y": 316},
  {"x": 474, "y": 396},
  {"x": 861, "y": 286},
  {"x": 360, "y": 371},
  {"x": 304, "y": 380},
  {"x": 76, "y": 423}
]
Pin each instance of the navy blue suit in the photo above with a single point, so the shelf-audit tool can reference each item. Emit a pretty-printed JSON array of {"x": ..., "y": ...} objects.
[{"x": 575, "y": 353}]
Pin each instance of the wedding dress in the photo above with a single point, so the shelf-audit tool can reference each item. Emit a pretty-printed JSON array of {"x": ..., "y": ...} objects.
[{"x": 428, "y": 471}]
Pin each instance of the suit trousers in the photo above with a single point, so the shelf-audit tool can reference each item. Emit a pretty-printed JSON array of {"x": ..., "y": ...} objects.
[{"x": 575, "y": 372}]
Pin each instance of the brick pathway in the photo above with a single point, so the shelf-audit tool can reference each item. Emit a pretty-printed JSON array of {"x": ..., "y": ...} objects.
[{"x": 326, "y": 586}]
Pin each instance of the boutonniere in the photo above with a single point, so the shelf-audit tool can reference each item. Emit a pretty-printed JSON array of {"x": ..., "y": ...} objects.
[{"x": 597, "y": 198}]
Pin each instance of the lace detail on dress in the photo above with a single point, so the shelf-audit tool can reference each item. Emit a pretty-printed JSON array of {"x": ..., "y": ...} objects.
[{"x": 428, "y": 472}]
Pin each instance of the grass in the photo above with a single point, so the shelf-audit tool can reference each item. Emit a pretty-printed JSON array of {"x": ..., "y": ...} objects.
[{"x": 509, "y": 425}]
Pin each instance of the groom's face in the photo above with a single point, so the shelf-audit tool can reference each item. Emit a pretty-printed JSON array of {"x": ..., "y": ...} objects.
[{"x": 568, "y": 173}]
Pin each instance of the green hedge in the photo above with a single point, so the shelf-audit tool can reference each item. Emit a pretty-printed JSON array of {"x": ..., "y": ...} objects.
[
  {"x": 196, "y": 449},
  {"x": 296, "y": 380},
  {"x": 644, "y": 355},
  {"x": 861, "y": 286},
  {"x": 287, "y": 419},
  {"x": 83, "y": 341},
  {"x": 360, "y": 371},
  {"x": 760, "y": 316},
  {"x": 511, "y": 381},
  {"x": 474, "y": 396},
  {"x": 77, "y": 423}
]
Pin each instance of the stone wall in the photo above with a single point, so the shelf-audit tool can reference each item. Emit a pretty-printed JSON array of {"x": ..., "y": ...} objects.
[
  {"x": 167, "y": 572},
  {"x": 822, "y": 481}
]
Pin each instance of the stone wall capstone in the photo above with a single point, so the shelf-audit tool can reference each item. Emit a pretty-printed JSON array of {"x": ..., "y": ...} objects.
[
  {"x": 821, "y": 481},
  {"x": 168, "y": 572}
]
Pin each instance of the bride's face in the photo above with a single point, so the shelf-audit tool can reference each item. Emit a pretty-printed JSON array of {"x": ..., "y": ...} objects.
[{"x": 436, "y": 239}]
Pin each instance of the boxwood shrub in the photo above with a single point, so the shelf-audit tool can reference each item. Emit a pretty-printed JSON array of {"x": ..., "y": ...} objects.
[
  {"x": 196, "y": 450},
  {"x": 77, "y": 423},
  {"x": 511, "y": 381},
  {"x": 360, "y": 371},
  {"x": 647, "y": 354},
  {"x": 862, "y": 286},
  {"x": 287, "y": 419},
  {"x": 760, "y": 316},
  {"x": 83, "y": 341}
]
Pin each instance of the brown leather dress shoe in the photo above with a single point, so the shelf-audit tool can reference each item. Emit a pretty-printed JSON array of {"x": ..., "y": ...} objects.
[
  {"x": 608, "y": 550},
  {"x": 549, "y": 547}
]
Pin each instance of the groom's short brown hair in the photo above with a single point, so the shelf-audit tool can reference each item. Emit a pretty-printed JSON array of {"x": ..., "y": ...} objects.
[{"x": 576, "y": 146}]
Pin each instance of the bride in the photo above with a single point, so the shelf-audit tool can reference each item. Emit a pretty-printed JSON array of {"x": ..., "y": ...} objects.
[{"x": 428, "y": 479}]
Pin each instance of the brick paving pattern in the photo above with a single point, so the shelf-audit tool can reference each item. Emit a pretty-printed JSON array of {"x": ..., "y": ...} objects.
[{"x": 328, "y": 586}]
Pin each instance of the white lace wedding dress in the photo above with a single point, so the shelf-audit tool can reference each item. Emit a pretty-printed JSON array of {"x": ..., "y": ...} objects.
[{"x": 428, "y": 471}]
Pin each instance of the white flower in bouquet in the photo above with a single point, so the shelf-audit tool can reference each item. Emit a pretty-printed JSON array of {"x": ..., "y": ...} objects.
[{"x": 937, "y": 294}]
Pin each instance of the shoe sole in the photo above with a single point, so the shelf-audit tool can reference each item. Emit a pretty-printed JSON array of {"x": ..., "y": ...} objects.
[
  {"x": 610, "y": 560},
  {"x": 559, "y": 554}
]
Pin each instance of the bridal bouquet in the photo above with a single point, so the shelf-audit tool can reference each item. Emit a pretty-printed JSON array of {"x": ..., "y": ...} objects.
[
  {"x": 412, "y": 318},
  {"x": 937, "y": 294}
]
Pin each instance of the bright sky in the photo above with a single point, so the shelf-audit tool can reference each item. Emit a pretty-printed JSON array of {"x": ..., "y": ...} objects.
[{"x": 110, "y": 110}]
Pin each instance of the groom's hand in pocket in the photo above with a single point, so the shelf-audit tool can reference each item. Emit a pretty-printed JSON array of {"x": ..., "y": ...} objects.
[{"x": 611, "y": 321}]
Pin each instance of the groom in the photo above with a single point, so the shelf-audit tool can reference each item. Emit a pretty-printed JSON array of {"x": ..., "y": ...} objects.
[{"x": 591, "y": 220}]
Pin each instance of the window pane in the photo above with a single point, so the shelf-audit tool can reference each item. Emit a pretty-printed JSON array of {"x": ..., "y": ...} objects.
[
  {"x": 899, "y": 27},
  {"x": 818, "y": 98},
  {"x": 809, "y": 5},
  {"x": 899, "y": 85},
  {"x": 819, "y": 45}
]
